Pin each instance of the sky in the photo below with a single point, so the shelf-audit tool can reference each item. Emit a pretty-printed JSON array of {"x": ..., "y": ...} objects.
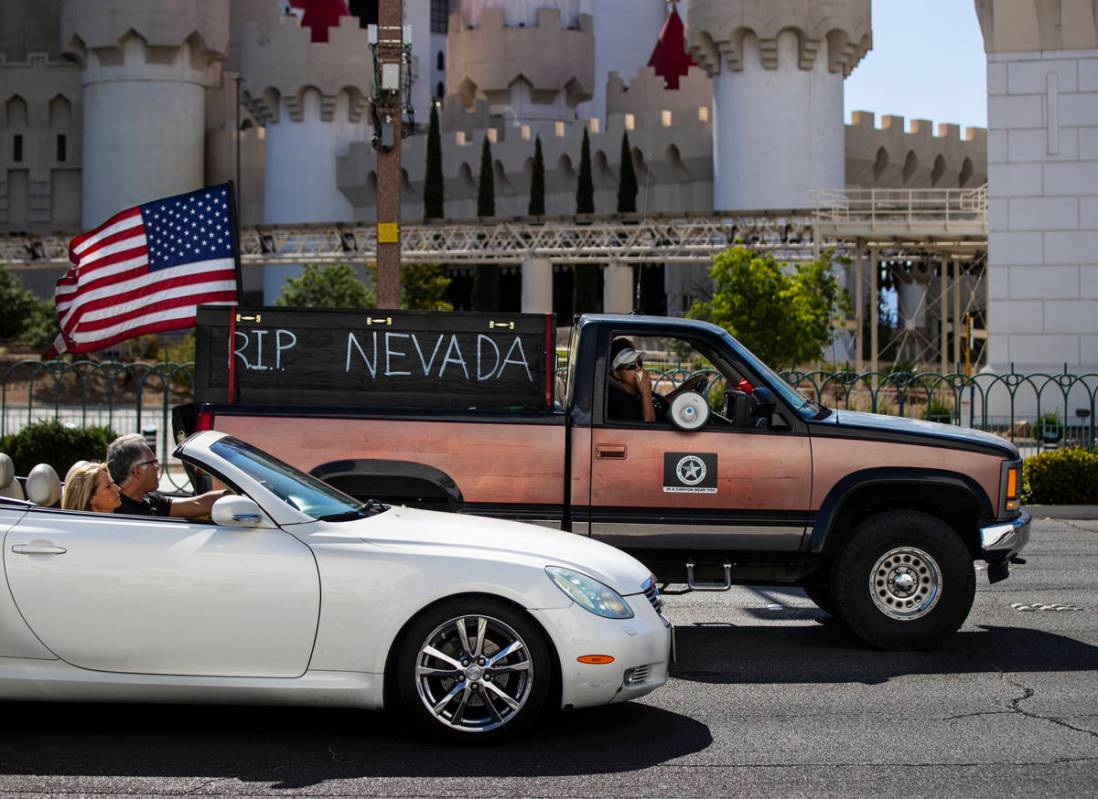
[{"x": 927, "y": 62}]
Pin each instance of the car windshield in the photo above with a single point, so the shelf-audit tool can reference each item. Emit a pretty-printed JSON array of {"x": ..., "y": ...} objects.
[
  {"x": 807, "y": 408},
  {"x": 300, "y": 491}
]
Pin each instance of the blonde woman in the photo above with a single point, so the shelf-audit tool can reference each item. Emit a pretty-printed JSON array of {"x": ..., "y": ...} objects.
[{"x": 90, "y": 487}]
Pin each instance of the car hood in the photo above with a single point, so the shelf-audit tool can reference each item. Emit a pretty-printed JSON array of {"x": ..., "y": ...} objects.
[
  {"x": 932, "y": 432},
  {"x": 411, "y": 527}
]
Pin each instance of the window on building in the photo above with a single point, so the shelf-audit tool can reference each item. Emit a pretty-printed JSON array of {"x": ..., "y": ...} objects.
[
  {"x": 440, "y": 15},
  {"x": 17, "y": 147},
  {"x": 62, "y": 147},
  {"x": 440, "y": 90},
  {"x": 440, "y": 61}
]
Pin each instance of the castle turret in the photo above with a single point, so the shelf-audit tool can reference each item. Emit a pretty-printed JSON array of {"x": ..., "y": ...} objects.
[
  {"x": 146, "y": 65},
  {"x": 531, "y": 62},
  {"x": 310, "y": 89},
  {"x": 778, "y": 68}
]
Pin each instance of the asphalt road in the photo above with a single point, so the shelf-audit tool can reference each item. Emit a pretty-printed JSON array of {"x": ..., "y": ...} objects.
[{"x": 768, "y": 699}]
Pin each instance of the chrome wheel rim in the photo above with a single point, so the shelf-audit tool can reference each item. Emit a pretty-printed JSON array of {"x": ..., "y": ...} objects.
[
  {"x": 474, "y": 673},
  {"x": 905, "y": 583}
]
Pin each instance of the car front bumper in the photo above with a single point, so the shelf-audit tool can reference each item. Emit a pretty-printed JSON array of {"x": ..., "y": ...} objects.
[
  {"x": 1005, "y": 539},
  {"x": 640, "y": 646}
]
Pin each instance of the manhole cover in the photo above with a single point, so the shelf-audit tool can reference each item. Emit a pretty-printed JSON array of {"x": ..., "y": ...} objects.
[{"x": 1051, "y": 607}]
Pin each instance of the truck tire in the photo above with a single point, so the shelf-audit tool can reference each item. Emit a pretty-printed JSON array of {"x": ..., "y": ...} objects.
[
  {"x": 821, "y": 597},
  {"x": 903, "y": 580},
  {"x": 459, "y": 692}
]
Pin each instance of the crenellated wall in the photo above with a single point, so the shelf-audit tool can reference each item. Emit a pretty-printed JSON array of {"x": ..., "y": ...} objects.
[
  {"x": 533, "y": 73},
  {"x": 41, "y": 108},
  {"x": 892, "y": 157}
]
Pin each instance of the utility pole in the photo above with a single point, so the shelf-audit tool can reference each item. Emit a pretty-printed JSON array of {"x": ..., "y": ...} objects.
[{"x": 391, "y": 66}]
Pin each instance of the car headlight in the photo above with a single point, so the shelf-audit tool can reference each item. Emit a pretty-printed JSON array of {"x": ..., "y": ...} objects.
[{"x": 590, "y": 593}]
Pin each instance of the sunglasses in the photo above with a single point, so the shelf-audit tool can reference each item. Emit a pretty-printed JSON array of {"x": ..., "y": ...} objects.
[{"x": 629, "y": 367}]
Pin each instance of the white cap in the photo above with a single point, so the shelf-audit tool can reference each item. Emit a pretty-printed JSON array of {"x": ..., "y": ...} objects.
[{"x": 628, "y": 355}]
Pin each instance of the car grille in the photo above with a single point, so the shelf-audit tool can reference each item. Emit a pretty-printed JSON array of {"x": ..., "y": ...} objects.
[
  {"x": 653, "y": 594},
  {"x": 636, "y": 676}
]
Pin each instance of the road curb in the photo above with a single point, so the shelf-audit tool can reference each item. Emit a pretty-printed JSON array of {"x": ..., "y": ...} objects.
[{"x": 1083, "y": 512}]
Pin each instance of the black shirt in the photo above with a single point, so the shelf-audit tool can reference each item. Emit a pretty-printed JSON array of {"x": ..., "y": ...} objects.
[
  {"x": 625, "y": 407},
  {"x": 152, "y": 504}
]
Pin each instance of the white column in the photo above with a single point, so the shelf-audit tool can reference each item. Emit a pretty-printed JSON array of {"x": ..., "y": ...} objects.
[
  {"x": 537, "y": 286},
  {"x": 617, "y": 288},
  {"x": 778, "y": 133},
  {"x": 143, "y": 129}
]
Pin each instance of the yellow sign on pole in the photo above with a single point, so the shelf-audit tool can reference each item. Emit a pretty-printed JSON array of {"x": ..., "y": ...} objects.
[{"x": 388, "y": 232}]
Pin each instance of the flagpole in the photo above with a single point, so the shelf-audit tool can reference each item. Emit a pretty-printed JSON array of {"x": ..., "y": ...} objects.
[{"x": 236, "y": 242}]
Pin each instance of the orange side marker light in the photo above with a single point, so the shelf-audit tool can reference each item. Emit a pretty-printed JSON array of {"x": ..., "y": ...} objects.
[{"x": 596, "y": 660}]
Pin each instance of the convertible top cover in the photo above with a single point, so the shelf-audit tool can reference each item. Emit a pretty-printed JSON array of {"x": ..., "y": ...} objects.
[{"x": 376, "y": 358}]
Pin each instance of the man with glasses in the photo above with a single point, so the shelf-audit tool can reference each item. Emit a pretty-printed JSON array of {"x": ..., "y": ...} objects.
[
  {"x": 136, "y": 470},
  {"x": 630, "y": 395}
]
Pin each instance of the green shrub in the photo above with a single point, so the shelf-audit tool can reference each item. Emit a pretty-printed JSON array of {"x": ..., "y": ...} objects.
[
  {"x": 53, "y": 443},
  {"x": 1061, "y": 477}
]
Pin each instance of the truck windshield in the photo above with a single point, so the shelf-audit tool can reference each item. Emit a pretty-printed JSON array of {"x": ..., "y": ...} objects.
[
  {"x": 300, "y": 491},
  {"x": 807, "y": 408}
]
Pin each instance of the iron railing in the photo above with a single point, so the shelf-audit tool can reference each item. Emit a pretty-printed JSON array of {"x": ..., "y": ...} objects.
[{"x": 1035, "y": 411}]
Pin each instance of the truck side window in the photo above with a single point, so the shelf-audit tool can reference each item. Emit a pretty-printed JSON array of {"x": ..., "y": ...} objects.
[{"x": 643, "y": 373}]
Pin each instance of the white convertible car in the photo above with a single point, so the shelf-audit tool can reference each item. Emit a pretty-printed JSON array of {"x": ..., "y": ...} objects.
[{"x": 297, "y": 594}]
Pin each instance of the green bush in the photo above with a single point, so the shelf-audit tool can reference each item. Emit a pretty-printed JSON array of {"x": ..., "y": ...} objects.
[
  {"x": 18, "y": 303},
  {"x": 53, "y": 443},
  {"x": 1061, "y": 477}
]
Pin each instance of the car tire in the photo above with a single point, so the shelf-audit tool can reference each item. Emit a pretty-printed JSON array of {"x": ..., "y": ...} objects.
[
  {"x": 903, "y": 580},
  {"x": 821, "y": 597},
  {"x": 454, "y": 691}
]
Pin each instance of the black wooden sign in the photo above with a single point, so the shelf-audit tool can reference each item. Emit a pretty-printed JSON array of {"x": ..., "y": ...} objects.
[{"x": 376, "y": 359}]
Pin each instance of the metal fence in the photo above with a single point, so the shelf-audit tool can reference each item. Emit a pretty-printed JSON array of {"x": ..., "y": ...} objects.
[{"x": 1035, "y": 411}]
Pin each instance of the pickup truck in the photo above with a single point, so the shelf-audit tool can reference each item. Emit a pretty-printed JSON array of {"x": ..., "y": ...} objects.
[{"x": 737, "y": 478}]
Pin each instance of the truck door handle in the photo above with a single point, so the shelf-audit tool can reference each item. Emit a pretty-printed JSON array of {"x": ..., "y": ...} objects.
[
  {"x": 37, "y": 549},
  {"x": 611, "y": 451}
]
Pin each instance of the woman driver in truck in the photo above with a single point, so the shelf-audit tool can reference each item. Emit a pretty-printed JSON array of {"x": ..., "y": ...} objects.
[{"x": 630, "y": 397}]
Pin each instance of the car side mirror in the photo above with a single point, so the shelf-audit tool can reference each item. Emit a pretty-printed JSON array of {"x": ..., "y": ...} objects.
[
  {"x": 763, "y": 404},
  {"x": 236, "y": 512}
]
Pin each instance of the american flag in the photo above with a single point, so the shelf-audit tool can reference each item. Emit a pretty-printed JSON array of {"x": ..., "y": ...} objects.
[{"x": 146, "y": 270}]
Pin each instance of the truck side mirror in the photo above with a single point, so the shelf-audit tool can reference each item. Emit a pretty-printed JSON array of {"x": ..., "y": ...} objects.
[{"x": 764, "y": 403}]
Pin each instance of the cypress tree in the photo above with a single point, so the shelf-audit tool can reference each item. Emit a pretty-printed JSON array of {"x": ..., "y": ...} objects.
[
  {"x": 585, "y": 188},
  {"x": 432, "y": 184},
  {"x": 486, "y": 188},
  {"x": 627, "y": 180},
  {"x": 585, "y": 277},
  {"x": 537, "y": 182},
  {"x": 486, "y": 279}
]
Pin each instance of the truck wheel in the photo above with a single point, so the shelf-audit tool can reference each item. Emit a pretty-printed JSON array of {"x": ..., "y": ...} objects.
[
  {"x": 473, "y": 670},
  {"x": 821, "y": 597},
  {"x": 903, "y": 580}
]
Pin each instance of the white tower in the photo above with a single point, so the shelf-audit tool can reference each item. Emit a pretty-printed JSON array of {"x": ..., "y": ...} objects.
[
  {"x": 146, "y": 65},
  {"x": 778, "y": 68},
  {"x": 311, "y": 92}
]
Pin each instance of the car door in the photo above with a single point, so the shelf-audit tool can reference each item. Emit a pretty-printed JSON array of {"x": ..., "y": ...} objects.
[
  {"x": 164, "y": 596},
  {"x": 719, "y": 488}
]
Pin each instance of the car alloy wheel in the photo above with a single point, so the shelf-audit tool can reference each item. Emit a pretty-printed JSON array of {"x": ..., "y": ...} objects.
[{"x": 474, "y": 673}]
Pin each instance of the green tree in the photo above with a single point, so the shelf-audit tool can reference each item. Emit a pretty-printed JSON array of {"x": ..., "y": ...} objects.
[
  {"x": 585, "y": 186},
  {"x": 423, "y": 288},
  {"x": 486, "y": 277},
  {"x": 537, "y": 182},
  {"x": 18, "y": 304},
  {"x": 40, "y": 326},
  {"x": 486, "y": 187},
  {"x": 318, "y": 286},
  {"x": 627, "y": 179},
  {"x": 433, "y": 198},
  {"x": 784, "y": 317}
]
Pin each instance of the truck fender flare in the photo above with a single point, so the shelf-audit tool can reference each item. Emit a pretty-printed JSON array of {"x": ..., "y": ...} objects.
[
  {"x": 921, "y": 478},
  {"x": 412, "y": 471}
]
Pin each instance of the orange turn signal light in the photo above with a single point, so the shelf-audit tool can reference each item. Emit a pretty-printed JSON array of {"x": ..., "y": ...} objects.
[
  {"x": 596, "y": 660},
  {"x": 1012, "y": 483}
]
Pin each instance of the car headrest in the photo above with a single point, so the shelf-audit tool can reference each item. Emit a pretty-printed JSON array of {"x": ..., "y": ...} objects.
[
  {"x": 9, "y": 486},
  {"x": 73, "y": 468},
  {"x": 43, "y": 485}
]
